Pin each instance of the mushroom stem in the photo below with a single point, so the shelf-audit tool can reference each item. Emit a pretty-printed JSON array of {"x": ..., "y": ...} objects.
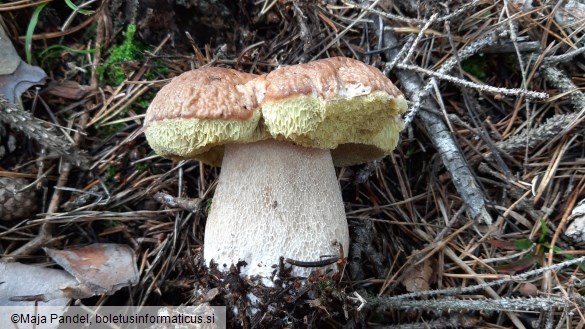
[{"x": 275, "y": 199}]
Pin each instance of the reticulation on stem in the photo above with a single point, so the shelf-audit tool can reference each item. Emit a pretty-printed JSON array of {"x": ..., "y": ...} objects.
[{"x": 275, "y": 199}]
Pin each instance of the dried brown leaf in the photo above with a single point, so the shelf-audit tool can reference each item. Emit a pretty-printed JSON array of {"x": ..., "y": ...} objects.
[
  {"x": 67, "y": 89},
  {"x": 100, "y": 268},
  {"x": 419, "y": 276}
]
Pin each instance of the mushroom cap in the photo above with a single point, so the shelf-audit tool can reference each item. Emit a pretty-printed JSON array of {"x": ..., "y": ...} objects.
[
  {"x": 199, "y": 111},
  {"x": 337, "y": 103}
]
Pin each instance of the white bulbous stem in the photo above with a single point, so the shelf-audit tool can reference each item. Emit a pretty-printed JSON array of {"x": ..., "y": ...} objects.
[{"x": 275, "y": 199}]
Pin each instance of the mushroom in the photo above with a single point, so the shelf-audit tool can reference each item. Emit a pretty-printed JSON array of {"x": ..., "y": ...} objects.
[
  {"x": 199, "y": 111},
  {"x": 277, "y": 138}
]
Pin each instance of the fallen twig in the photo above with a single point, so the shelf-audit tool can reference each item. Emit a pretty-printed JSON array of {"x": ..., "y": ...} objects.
[
  {"x": 37, "y": 129},
  {"x": 555, "y": 126},
  {"x": 480, "y": 87},
  {"x": 45, "y": 233},
  {"x": 442, "y": 139},
  {"x": 474, "y": 288},
  {"x": 192, "y": 205},
  {"x": 504, "y": 304}
]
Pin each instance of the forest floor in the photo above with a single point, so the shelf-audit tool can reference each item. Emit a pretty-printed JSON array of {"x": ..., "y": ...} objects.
[{"x": 473, "y": 221}]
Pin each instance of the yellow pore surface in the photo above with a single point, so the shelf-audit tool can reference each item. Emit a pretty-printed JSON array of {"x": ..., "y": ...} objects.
[{"x": 356, "y": 129}]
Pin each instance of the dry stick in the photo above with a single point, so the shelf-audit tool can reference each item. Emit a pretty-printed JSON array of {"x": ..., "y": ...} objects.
[
  {"x": 462, "y": 10},
  {"x": 552, "y": 301},
  {"x": 576, "y": 97},
  {"x": 451, "y": 155},
  {"x": 442, "y": 139},
  {"x": 191, "y": 205},
  {"x": 469, "y": 50},
  {"x": 479, "y": 86},
  {"x": 564, "y": 57},
  {"x": 421, "y": 33},
  {"x": 475, "y": 288},
  {"x": 34, "y": 128},
  {"x": 45, "y": 231},
  {"x": 569, "y": 207},
  {"x": 491, "y": 292},
  {"x": 524, "y": 304},
  {"x": 555, "y": 126},
  {"x": 37, "y": 129},
  {"x": 525, "y": 46}
]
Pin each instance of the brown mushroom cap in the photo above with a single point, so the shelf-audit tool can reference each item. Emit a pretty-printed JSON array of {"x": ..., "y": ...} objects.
[
  {"x": 329, "y": 79},
  {"x": 201, "y": 110},
  {"x": 337, "y": 103}
]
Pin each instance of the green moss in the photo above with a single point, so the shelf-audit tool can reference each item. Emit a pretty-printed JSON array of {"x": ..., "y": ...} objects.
[
  {"x": 325, "y": 286},
  {"x": 410, "y": 152},
  {"x": 475, "y": 66},
  {"x": 111, "y": 172},
  {"x": 142, "y": 166},
  {"x": 128, "y": 50},
  {"x": 141, "y": 104},
  {"x": 106, "y": 131},
  {"x": 157, "y": 70}
]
